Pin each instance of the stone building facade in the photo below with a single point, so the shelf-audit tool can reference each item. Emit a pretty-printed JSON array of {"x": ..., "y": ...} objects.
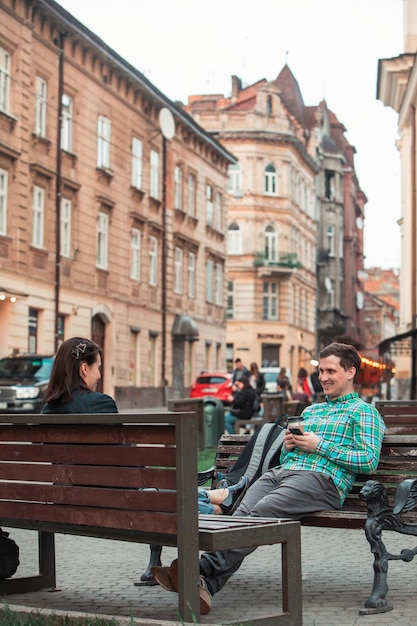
[
  {"x": 112, "y": 213},
  {"x": 294, "y": 234}
]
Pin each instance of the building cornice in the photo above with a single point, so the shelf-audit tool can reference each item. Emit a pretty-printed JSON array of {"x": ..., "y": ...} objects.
[
  {"x": 65, "y": 22},
  {"x": 268, "y": 137}
]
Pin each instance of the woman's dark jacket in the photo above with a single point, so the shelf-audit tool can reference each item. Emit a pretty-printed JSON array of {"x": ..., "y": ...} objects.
[
  {"x": 260, "y": 384},
  {"x": 83, "y": 401},
  {"x": 242, "y": 406}
]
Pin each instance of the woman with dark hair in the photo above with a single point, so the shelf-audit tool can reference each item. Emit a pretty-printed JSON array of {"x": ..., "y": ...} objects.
[
  {"x": 74, "y": 377},
  {"x": 257, "y": 379},
  {"x": 303, "y": 379},
  {"x": 242, "y": 404}
]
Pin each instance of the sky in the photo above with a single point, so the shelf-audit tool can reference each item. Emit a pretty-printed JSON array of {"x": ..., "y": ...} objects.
[{"x": 187, "y": 47}]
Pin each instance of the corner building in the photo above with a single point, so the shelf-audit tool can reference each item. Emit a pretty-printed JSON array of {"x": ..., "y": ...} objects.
[
  {"x": 294, "y": 247},
  {"x": 112, "y": 221}
]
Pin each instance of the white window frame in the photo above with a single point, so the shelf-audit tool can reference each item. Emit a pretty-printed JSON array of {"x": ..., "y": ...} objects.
[
  {"x": 331, "y": 295},
  {"x": 66, "y": 123},
  {"x": 41, "y": 100},
  {"x": 154, "y": 174},
  {"x": 191, "y": 274},
  {"x": 341, "y": 242},
  {"x": 4, "y": 187},
  {"x": 103, "y": 142},
  {"x": 219, "y": 211},
  {"x": 218, "y": 287},
  {"x": 270, "y": 301},
  {"x": 230, "y": 309},
  {"x": 178, "y": 188},
  {"x": 66, "y": 211},
  {"x": 234, "y": 239},
  {"x": 209, "y": 281},
  {"x": 153, "y": 261},
  {"x": 178, "y": 270},
  {"x": 38, "y": 216},
  {"x": 103, "y": 221},
  {"x": 209, "y": 204},
  {"x": 137, "y": 162},
  {"x": 234, "y": 183},
  {"x": 192, "y": 186},
  {"x": 331, "y": 243},
  {"x": 135, "y": 250},
  {"x": 5, "y": 63},
  {"x": 271, "y": 244},
  {"x": 270, "y": 180}
]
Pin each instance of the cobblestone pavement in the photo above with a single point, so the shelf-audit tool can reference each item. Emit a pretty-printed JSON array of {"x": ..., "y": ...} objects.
[{"x": 97, "y": 576}]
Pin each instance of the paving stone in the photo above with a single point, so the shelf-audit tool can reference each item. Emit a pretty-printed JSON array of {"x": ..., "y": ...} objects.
[{"x": 97, "y": 576}]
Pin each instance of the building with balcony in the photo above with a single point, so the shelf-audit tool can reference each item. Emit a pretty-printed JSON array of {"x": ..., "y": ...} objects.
[
  {"x": 112, "y": 210},
  {"x": 294, "y": 233}
]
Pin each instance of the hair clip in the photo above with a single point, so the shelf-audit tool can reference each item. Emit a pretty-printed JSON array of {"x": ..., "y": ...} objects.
[{"x": 79, "y": 351}]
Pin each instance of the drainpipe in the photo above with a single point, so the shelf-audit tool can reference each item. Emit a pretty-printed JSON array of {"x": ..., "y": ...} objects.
[
  {"x": 164, "y": 268},
  {"x": 58, "y": 187},
  {"x": 413, "y": 251}
]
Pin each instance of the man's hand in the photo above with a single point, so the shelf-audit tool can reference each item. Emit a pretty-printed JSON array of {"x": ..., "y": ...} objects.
[{"x": 307, "y": 442}]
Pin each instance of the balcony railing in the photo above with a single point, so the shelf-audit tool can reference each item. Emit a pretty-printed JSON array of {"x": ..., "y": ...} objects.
[{"x": 290, "y": 259}]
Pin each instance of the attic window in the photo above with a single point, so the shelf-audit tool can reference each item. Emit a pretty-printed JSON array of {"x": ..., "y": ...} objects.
[{"x": 269, "y": 105}]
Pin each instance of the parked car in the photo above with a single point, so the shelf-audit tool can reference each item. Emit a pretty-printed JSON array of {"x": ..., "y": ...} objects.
[
  {"x": 217, "y": 384},
  {"x": 23, "y": 382},
  {"x": 271, "y": 375}
]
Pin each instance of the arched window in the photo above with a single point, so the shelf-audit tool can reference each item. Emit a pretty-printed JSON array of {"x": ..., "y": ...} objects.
[
  {"x": 271, "y": 244},
  {"x": 234, "y": 239},
  {"x": 270, "y": 178}
]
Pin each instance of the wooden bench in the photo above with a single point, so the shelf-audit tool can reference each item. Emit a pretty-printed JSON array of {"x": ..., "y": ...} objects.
[
  {"x": 363, "y": 508},
  {"x": 130, "y": 478},
  {"x": 400, "y": 416}
]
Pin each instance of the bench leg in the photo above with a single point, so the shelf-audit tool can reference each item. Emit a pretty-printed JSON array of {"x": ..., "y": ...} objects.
[
  {"x": 47, "y": 566},
  {"x": 376, "y": 602},
  {"x": 154, "y": 559}
]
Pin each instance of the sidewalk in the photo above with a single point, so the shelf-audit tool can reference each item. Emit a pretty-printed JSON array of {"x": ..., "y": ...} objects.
[{"x": 96, "y": 577}]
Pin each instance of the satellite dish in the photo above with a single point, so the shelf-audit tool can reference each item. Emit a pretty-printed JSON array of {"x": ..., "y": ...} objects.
[
  {"x": 359, "y": 300},
  {"x": 359, "y": 223},
  {"x": 328, "y": 284},
  {"x": 166, "y": 123}
]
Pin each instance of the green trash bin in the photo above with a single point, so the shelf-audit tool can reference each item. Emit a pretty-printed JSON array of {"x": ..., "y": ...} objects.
[{"x": 213, "y": 421}]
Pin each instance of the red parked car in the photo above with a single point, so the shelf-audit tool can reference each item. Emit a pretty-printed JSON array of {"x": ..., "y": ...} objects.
[{"x": 217, "y": 384}]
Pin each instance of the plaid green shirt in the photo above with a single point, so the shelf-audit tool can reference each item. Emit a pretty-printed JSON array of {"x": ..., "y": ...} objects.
[{"x": 351, "y": 433}]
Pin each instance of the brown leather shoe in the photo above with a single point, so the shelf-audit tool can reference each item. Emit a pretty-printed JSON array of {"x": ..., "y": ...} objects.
[
  {"x": 167, "y": 577},
  {"x": 205, "y": 597}
]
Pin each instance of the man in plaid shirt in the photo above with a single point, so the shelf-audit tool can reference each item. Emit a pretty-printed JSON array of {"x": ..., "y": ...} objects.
[{"x": 342, "y": 437}]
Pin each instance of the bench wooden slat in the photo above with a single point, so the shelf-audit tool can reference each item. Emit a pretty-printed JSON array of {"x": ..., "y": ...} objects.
[
  {"x": 88, "y": 454},
  {"x": 62, "y": 515},
  {"x": 90, "y": 475},
  {"x": 87, "y": 433},
  {"x": 134, "y": 499}
]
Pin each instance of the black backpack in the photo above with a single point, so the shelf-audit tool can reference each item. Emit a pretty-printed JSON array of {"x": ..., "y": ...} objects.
[
  {"x": 9, "y": 555},
  {"x": 256, "y": 403},
  {"x": 262, "y": 452}
]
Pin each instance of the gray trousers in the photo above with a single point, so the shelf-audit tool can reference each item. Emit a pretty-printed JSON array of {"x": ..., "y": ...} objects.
[{"x": 278, "y": 493}]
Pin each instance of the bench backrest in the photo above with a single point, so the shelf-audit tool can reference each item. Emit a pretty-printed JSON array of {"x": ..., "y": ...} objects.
[
  {"x": 400, "y": 416},
  {"x": 117, "y": 472}
]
